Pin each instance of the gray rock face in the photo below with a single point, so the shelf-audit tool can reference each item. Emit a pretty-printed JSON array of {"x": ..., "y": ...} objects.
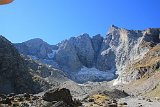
[
  {"x": 125, "y": 44},
  {"x": 67, "y": 58},
  {"x": 80, "y": 51},
  {"x": 85, "y": 55},
  {"x": 106, "y": 60},
  {"x": 97, "y": 44},
  {"x": 84, "y": 51},
  {"x": 133, "y": 50},
  {"x": 111, "y": 54},
  {"x": 36, "y": 47}
]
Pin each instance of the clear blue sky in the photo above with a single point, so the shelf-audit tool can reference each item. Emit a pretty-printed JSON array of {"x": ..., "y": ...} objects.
[{"x": 56, "y": 20}]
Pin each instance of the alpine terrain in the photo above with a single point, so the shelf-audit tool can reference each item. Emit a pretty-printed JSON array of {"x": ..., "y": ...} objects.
[{"x": 121, "y": 69}]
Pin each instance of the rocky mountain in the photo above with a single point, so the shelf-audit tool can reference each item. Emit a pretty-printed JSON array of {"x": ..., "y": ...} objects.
[
  {"x": 147, "y": 40},
  {"x": 142, "y": 77},
  {"x": 97, "y": 58},
  {"x": 37, "y": 47},
  {"x": 130, "y": 56},
  {"x": 21, "y": 74},
  {"x": 76, "y": 57},
  {"x": 14, "y": 76}
]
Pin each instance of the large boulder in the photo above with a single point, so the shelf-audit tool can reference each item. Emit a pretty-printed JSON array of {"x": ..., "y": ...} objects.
[{"x": 58, "y": 95}]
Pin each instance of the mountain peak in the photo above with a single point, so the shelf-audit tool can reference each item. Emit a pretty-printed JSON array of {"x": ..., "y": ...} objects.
[
  {"x": 113, "y": 26},
  {"x": 84, "y": 35},
  {"x": 2, "y": 38},
  {"x": 35, "y": 40},
  {"x": 112, "y": 29}
]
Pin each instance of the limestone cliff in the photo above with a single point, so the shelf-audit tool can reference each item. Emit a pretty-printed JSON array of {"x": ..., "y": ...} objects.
[{"x": 106, "y": 57}]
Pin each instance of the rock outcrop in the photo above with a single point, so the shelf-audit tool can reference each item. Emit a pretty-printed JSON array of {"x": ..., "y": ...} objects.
[
  {"x": 142, "y": 77},
  {"x": 139, "y": 49},
  {"x": 58, "y": 95},
  {"x": 62, "y": 97}
]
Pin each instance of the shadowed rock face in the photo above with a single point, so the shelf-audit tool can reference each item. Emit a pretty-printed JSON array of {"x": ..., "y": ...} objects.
[{"x": 14, "y": 75}]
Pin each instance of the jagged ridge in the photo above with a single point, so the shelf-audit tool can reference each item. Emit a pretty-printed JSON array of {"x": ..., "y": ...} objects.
[{"x": 109, "y": 55}]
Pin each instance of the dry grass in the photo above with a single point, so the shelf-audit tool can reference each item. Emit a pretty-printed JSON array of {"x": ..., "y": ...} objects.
[
  {"x": 148, "y": 63},
  {"x": 99, "y": 98},
  {"x": 149, "y": 59},
  {"x": 155, "y": 92},
  {"x": 156, "y": 48}
]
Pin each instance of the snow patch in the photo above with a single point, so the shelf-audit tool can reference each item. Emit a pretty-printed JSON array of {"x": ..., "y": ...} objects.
[
  {"x": 51, "y": 55},
  {"x": 93, "y": 74}
]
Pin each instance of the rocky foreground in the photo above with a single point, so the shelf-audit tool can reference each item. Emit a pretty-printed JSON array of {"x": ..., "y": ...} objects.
[{"x": 61, "y": 97}]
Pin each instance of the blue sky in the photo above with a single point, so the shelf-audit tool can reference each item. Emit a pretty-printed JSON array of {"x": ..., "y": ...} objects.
[{"x": 56, "y": 20}]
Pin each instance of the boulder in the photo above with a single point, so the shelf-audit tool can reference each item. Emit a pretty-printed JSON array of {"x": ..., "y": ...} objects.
[
  {"x": 60, "y": 104},
  {"x": 58, "y": 95}
]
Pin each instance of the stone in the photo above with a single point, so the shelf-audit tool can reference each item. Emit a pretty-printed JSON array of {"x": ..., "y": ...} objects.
[
  {"x": 7, "y": 101},
  {"x": 149, "y": 100},
  {"x": 77, "y": 102},
  {"x": 112, "y": 105},
  {"x": 114, "y": 101},
  {"x": 91, "y": 100},
  {"x": 60, "y": 104},
  {"x": 35, "y": 98},
  {"x": 24, "y": 105},
  {"x": 27, "y": 96},
  {"x": 58, "y": 95}
]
